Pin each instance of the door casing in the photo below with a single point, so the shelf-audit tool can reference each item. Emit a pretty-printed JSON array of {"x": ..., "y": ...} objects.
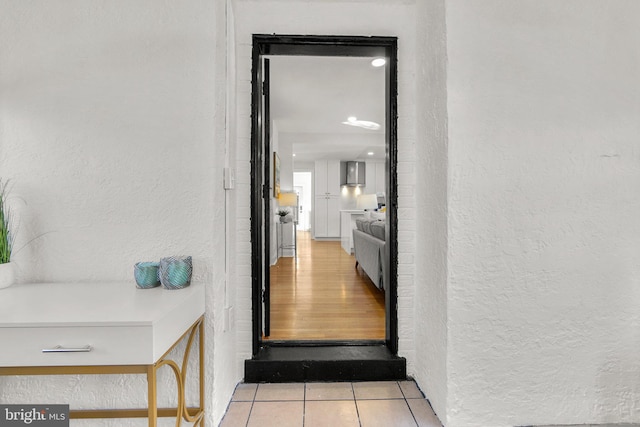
[{"x": 305, "y": 45}]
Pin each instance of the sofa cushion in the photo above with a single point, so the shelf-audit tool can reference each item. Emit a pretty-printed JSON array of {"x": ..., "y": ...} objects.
[
  {"x": 366, "y": 225},
  {"x": 372, "y": 227},
  {"x": 380, "y": 216},
  {"x": 378, "y": 229}
]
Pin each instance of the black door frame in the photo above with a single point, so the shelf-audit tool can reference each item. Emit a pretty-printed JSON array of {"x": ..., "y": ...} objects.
[{"x": 324, "y": 46}]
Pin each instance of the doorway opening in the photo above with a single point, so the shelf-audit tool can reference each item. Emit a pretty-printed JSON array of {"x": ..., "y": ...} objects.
[
  {"x": 302, "y": 187},
  {"x": 268, "y": 181}
]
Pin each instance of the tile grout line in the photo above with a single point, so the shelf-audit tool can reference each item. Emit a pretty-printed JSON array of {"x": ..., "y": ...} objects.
[
  {"x": 355, "y": 402},
  {"x": 250, "y": 411},
  {"x": 415, "y": 420},
  {"x": 387, "y": 398},
  {"x": 304, "y": 404},
  {"x": 253, "y": 401}
]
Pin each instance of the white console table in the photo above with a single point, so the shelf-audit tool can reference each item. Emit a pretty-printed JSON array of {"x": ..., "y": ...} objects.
[{"x": 104, "y": 328}]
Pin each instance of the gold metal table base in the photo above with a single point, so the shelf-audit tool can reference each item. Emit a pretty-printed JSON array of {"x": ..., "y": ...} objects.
[{"x": 192, "y": 415}]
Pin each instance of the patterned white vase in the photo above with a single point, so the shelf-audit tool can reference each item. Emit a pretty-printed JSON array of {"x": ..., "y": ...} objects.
[{"x": 7, "y": 275}]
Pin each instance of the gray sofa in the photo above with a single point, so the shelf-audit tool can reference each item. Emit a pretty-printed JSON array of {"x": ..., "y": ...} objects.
[{"x": 369, "y": 247}]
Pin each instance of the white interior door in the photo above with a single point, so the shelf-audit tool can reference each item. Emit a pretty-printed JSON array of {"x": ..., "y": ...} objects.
[{"x": 302, "y": 184}]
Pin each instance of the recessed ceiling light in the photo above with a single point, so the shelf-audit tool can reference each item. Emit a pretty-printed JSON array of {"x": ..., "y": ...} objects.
[
  {"x": 370, "y": 153},
  {"x": 352, "y": 119},
  {"x": 294, "y": 154},
  {"x": 378, "y": 62}
]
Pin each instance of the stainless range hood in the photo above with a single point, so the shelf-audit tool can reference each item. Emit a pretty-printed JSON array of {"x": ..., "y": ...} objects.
[{"x": 352, "y": 173}]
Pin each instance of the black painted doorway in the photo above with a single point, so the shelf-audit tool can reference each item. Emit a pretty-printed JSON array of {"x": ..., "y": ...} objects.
[{"x": 267, "y": 45}]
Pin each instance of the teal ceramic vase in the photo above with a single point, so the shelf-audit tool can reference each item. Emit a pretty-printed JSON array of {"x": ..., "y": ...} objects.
[
  {"x": 175, "y": 272},
  {"x": 147, "y": 274}
]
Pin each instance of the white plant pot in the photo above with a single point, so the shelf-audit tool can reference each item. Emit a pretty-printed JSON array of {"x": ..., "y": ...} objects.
[{"x": 7, "y": 275}]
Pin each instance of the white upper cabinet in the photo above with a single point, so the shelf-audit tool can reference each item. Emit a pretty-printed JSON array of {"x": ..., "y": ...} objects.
[
  {"x": 327, "y": 177},
  {"x": 376, "y": 174}
]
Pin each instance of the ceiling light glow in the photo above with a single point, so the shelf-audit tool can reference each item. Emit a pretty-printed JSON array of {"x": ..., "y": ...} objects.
[
  {"x": 352, "y": 119},
  {"x": 364, "y": 124},
  {"x": 370, "y": 153},
  {"x": 378, "y": 62}
]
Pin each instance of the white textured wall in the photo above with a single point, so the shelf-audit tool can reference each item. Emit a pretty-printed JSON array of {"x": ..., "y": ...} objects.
[
  {"x": 431, "y": 203},
  {"x": 544, "y": 202},
  {"x": 226, "y": 370},
  {"x": 380, "y": 18},
  {"x": 111, "y": 132}
]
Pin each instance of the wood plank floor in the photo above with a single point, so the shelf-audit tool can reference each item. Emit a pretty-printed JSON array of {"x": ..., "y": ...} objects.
[{"x": 323, "y": 297}]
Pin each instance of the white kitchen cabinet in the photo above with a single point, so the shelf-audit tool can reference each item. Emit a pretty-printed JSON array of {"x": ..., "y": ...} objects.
[
  {"x": 381, "y": 174},
  {"x": 327, "y": 199},
  {"x": 376, "y": 175}
]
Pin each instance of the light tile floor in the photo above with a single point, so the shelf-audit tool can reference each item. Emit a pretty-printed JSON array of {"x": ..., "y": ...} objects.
[{"x": 359, "y": 404}]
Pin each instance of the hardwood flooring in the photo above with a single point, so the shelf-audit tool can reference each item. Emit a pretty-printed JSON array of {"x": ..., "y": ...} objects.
[{"x": 322, "y": 296}]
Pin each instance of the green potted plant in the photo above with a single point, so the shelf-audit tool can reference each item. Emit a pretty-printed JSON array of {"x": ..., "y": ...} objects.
[
  {"x": 282, "y": 213},
  {"x": 7, "y": 275}
]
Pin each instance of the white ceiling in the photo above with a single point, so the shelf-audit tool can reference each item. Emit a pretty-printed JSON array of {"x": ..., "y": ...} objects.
[{"x": 312, "y": 96}]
